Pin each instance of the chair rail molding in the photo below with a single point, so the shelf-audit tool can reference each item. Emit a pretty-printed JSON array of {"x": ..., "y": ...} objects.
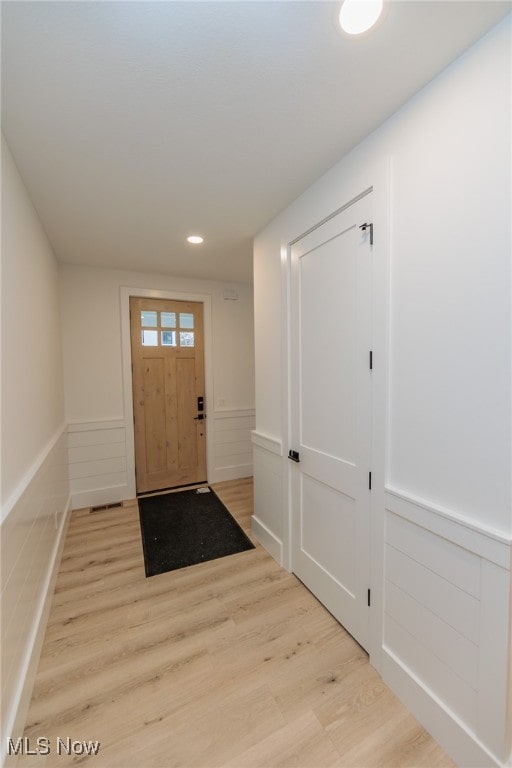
[
  {"x": 27, "y": 478},
  {"x": 485, "y": 541}
]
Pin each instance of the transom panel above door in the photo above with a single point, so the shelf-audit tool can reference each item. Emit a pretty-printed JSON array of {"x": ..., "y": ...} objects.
[{"x": 168, "y": 393}]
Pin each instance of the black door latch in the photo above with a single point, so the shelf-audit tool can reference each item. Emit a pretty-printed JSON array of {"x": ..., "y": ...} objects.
[{"x": 293, "y": 455}]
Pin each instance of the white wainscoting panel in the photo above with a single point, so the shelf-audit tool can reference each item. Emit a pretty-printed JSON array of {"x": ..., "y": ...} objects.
[
  {"x": 32, "y": 535},
  {"x": 97, "y": 463},
  {"x": 232, "y": 444},
  {"x": 268, "y": 484},
  {"x": 447, "y": 625}
]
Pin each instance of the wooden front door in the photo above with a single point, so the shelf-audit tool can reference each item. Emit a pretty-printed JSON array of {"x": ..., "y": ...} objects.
[{"x": 168, "y": 393}]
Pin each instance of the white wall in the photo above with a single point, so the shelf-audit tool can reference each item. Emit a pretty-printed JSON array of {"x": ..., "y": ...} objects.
[
  {"x": 31, "y": 350},
  {"x": 450, "y": 285},
  {"x": 35, "y": 488},
  {"x": 450, "y": 311},
  {"x": 448, "y": 443},
  {"x": 95, "y": 373}
]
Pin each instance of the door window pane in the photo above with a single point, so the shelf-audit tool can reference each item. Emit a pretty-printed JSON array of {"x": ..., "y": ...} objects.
[
  {"x": 168, "y": 319},
  {"x": 150, "y": 338},
  {"x": 187, "y": 321},
  {"x": 186, "y": 338},
  {"x": 168, "y": 338},
  {"x": 148, "y": 319}
]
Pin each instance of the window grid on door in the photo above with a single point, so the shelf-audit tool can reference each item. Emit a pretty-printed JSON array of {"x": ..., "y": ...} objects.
[{"x": 167, "y": 329}]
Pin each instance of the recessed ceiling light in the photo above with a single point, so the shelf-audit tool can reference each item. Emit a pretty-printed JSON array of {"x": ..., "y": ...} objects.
[
  {"x": 195, "y": 239},
  {"x": 357, "y": 16}
]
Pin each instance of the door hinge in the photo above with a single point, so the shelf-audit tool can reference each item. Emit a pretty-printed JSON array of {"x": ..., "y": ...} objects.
[
  {"x": 369, "y": 481},
  {"x": 365, "y": 226},
  {"x": 371, "y": 360},
  {"x": 294, "y": 456},
  {"x": 369, "y": 598}
]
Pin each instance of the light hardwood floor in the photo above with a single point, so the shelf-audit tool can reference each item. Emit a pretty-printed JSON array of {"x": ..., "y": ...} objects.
[{"x": 228, "y": 663}]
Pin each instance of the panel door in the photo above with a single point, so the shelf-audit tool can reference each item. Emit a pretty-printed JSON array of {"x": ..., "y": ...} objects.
[
  {"x": 331, "y": 321},
  {"x": 168, "y": 393}
]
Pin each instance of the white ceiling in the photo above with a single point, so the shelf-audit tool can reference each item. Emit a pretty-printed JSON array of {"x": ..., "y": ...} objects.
[{"x": 135, "y": 124}]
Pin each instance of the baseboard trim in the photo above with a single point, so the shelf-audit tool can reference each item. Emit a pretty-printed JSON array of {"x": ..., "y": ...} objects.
[
  {"x": 235, "y": 472},
  {"x": 108, "y": 495},
  {"x": 451, "y": 733},
  {"x": 16, "y": 719},
  {"x": 267, "y": 539}
]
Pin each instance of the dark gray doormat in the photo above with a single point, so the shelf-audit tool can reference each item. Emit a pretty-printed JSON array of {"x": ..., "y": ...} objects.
[{"x": 186, "y": 528}]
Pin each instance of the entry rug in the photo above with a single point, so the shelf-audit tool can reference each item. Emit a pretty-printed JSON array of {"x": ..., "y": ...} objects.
[{"x": 186, "y": 528}]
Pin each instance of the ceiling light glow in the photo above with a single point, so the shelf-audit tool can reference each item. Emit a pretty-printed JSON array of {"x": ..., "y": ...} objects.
[
  {"x": 357, "y": 16},
  {"x": 195, "y": 239}
]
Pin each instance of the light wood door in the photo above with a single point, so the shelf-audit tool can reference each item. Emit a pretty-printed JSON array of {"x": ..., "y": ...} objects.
[
  {"x": 331, "y": 399},
  {"x": 168, "y": 393}
]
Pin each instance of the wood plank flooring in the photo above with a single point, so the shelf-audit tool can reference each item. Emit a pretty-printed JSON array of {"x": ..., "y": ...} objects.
[{"x": 228, "y": 663}]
